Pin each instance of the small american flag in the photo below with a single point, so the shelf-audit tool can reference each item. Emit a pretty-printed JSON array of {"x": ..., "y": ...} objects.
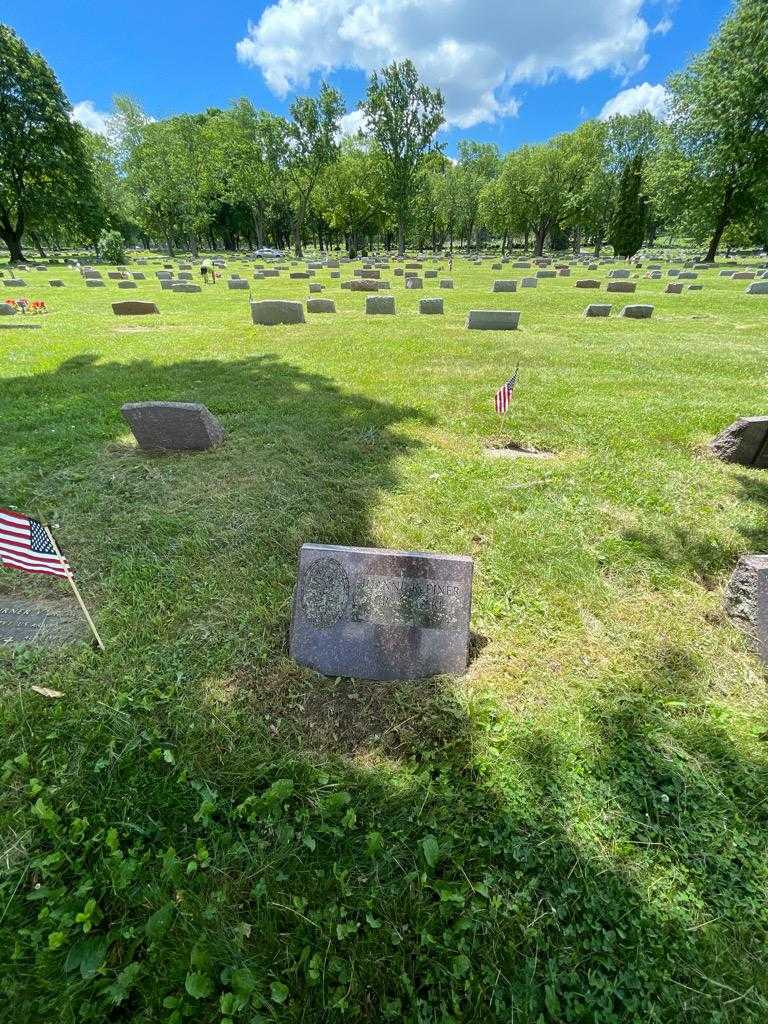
[
  {"x": 25, "y": 544},
  {"x": 504, "y": 394}
]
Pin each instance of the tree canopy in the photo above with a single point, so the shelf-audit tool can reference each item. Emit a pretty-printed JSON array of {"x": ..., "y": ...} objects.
[
  {"x": 244, "y": 176},
  {"x": 46, "y": 177}
]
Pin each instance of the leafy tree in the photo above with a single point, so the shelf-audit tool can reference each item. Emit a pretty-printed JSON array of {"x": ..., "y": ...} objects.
[
  {"x": 165, "y": 171},
  {"x": 45, "y": 174},
  {"x": 247, "y": 150},
  {"x": 312, "y": 146},
  {"x": 632, "y": 141},
  {"x": 714, "y": 167},
  {"x": 629, "y": 222},
  {"x": 533, "y": 187},
  {"x": 112, "y": 196},
  {"x": 479, "y": 163},
  {"x": 402, "y": 117},
  {"x": 112, "y": 247},
  {"x": 447, "y": 190},
  {"x": 590, "y": 194},
  {"x": 350, "y": 193}
]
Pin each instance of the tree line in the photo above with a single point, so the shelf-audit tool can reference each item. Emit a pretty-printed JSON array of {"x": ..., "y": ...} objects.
[{"x": 247, "y": 177}]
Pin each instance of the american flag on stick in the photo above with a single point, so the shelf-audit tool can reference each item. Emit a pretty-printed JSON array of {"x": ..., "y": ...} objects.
[
  {"x": 504, "y": 395},
  {"x": 26, "y": 544}
]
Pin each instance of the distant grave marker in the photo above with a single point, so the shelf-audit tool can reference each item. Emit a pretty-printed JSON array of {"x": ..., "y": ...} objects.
[
  {"x": 376, "y": 304},
  {"x": 270, "y": 312},
  {"x": 134, "y": 307},
  {"x": 621, "y": 286},
  {"x": 493, "y": 320},
  {"x": 597, "y": 309},
  {"x": 637, "y": 312},
  {"x": 321, "y": 306}
]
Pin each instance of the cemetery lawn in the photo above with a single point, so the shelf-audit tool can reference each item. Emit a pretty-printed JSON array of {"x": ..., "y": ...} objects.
[{"x": 200, "y": 830}]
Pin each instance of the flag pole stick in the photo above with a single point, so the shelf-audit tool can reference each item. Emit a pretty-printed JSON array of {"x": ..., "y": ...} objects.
[{"x": 74, "y": 587}]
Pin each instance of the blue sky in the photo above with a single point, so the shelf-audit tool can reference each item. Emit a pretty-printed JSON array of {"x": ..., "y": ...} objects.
[{"x": 513, "y": 71}]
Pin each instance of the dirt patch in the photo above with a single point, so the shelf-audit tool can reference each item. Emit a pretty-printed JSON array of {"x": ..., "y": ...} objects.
[
  {"x": 357, "y": 716},
  {"x": 517, "y": 450}
]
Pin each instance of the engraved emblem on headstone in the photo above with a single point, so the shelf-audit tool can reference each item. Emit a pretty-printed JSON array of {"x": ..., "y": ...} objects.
[{"x": 325, "y": 592}]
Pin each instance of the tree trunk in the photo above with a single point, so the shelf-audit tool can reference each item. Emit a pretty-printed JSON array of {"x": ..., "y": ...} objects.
[
  {"x": 401, "y": 239},
  {"x": 503, "y": 242},
  {"x": 12, "y": 238},
  {"x": 525, "y": 242},
  {"x": 598, "y": 245},
  {"x": 258, "y": 228},
  {"x": 38, "y": 244},
  {"x": 470, "y": 232},
  {"x": 541, "y": 237},
  {"x": 722, "y": 223},
  {"x": 576, "y": 241}
]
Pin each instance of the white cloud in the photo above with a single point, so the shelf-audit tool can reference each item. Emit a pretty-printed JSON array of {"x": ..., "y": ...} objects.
[
  {"x": 663, "y": 26},
  {"x": 86, "y": 114},
  {"x": 640, "y": 97},
  {"x": 475, "y": 53},
  {"x": 351, "y": 123}
]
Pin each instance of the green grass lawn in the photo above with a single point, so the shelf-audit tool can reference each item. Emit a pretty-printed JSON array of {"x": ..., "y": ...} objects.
[{"x": 200, "y": 830}]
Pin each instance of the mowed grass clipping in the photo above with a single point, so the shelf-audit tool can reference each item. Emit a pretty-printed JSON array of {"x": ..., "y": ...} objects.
[{"x": 200, "y": 830}]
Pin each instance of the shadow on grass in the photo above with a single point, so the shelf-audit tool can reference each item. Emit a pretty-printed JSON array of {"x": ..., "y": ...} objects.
[
  {"x": 260, "y": 844},
  {"x": 683, "y": 548},
  {"x": 457, "y": 865},
  {"x": 686, "y": 548},
  {"x": 184, "y": 548}
]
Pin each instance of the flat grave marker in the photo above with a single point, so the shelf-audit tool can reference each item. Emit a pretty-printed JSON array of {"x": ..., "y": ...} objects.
[{"x": 40, "y": 623}]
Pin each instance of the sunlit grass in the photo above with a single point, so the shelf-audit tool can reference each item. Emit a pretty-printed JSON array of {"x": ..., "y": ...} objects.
[{"x": 575, "y": 830}]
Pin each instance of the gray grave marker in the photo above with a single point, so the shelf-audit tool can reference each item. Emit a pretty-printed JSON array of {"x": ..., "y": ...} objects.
[
  {"x": 173, "y": 426},
  {"x": 42, "y": 623},
  {"x": 744, "y": 442},
  {"x": 379, "y": 614},
  {"x": 269, "y": 312},
  {"x": 762, "y": 615}
]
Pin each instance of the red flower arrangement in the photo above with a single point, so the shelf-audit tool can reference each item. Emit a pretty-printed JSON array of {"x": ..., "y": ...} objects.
[{"x": 22, "y": 305}]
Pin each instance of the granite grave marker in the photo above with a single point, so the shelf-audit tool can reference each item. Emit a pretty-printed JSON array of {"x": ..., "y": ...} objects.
[{"x": 377, "y": 614}]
